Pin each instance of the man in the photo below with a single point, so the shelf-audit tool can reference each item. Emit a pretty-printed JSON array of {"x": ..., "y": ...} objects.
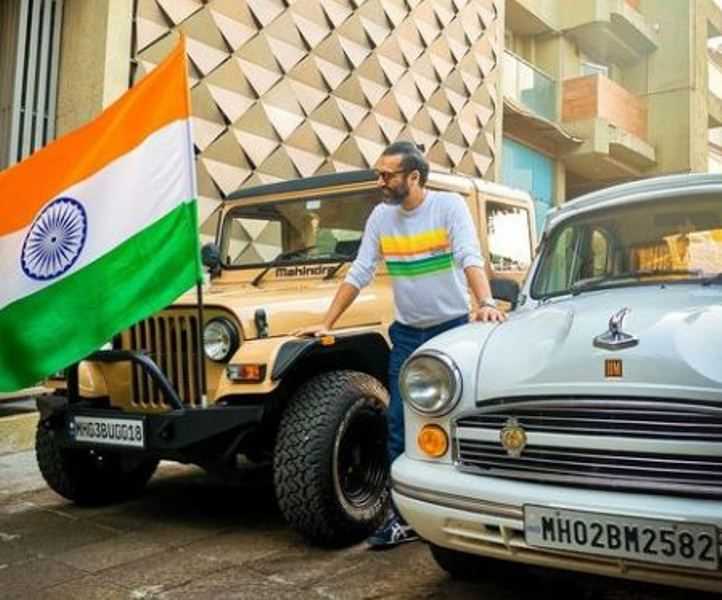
[{"x": 428, "y": 241}]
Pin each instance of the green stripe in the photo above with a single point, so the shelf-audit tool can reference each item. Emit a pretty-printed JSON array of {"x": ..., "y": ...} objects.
[
  {"x": 424, "y": 266},
  {"x": 63, "y": 323}
]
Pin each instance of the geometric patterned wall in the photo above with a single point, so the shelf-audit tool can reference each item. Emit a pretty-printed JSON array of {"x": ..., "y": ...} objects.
[{"x": 292, "y": 88}]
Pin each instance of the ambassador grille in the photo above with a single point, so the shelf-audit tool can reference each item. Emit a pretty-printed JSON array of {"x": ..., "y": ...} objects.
[
  {"x": 662, "y": 471},
  {"x": 172, "y": 342}
]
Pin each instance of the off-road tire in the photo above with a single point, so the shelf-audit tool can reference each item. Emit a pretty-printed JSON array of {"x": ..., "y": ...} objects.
[
  {"x": 462, "y": 565},
  {"x": 87, "y": 477},
  {"x": 322, "y": 420}
]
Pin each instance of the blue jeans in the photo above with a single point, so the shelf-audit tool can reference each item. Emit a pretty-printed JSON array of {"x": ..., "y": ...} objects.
[{"x": 405, "y": 340}]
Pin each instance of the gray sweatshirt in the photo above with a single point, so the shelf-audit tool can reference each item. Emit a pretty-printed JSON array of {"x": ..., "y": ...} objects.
[{"x": 425, "y": 251}]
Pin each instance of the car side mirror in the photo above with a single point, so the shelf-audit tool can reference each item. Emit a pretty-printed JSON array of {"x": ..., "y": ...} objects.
[
  {"x": 505, "y": 289},
  {"x": 211, "y": 258}
]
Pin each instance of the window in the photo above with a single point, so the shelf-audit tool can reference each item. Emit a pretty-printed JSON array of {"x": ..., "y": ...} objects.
[
  {"x": 325, "y": 228},
  {"x": 29, "y": 57},
  {"x": 590, "y": 68},
  {"x": 646, "y": 243},
  {"x": 508, "y": 237}
]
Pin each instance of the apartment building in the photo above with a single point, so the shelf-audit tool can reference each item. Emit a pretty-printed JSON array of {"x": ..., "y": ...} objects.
[{"x": 598, "y": 92}]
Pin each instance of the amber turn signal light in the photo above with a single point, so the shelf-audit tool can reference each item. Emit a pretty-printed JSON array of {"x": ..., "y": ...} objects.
[
  {"x": 246, "y": 373},
  {"x": 432, "y": 440}
]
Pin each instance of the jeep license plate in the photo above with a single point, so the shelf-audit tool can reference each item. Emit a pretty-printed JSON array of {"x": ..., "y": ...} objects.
[
  {"x": 648, "y": 540},
  {"x": 126, "y": 432}
]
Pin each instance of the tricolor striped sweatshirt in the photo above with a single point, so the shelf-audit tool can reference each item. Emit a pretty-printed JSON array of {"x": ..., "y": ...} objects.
[{"x": 425, "y": 251}]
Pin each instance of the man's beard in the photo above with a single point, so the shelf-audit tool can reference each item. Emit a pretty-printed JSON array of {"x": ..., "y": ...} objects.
[{"x": 396, "y": 197}]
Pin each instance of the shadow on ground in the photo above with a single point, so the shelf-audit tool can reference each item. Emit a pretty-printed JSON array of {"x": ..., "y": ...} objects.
[{"x": 193, "y": 536}]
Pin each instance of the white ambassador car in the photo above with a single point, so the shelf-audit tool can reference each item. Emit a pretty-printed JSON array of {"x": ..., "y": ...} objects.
[{"x": 585, "y": 433}]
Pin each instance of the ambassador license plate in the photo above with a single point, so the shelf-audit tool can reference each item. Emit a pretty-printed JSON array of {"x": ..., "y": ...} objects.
[
  {"x": 647, "y": 540},
  {"x": 108, "y": 432}
]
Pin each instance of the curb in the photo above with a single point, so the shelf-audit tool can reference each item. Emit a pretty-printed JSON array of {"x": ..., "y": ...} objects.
[{"x": 17, "y": 432}]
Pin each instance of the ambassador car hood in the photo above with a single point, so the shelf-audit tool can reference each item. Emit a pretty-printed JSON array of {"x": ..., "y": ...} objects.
[{"x": 549, "y": 350}]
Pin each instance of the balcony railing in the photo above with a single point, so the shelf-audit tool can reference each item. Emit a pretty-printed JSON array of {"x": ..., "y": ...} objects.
[
  {"x": 596, "y": 96},
  {"x": 529, "y": 86}
]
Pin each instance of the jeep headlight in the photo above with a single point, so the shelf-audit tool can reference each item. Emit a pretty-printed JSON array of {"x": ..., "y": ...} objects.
[
  {"x": 430, "y": 382},
  {"x": 220, "y": 339}
]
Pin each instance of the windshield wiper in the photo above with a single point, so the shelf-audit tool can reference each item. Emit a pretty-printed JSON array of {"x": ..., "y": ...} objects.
[
  {"x": 284, "y": 257},
  {"x": 586, "y": 284},
  {"x": 279, "y": 260},
  {"x": 593, "y": 282},
  {"x": 712, "y": 280}
]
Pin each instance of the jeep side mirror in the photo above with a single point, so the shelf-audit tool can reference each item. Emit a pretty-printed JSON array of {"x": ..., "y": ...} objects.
[
  {"x": 505, "y": 289},
  {"x": 211, "y": 258}
]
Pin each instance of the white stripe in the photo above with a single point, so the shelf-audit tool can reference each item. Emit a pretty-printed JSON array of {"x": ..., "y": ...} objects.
[{"x": 122, "y": 199}]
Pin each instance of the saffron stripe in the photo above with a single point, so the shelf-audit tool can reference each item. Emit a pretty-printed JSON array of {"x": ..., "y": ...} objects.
[
  {"x": 121, "y": 200},
  {"x": 158, "y": 100},
  {"x": 405, "y": 244}
]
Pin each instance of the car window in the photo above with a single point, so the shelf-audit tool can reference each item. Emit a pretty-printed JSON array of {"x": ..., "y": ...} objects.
[
  {"x": 508, "y": 237},
  {"x": 641, "y": 243}
]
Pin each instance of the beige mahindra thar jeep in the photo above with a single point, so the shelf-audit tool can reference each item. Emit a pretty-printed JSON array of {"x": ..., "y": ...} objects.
[{"x": 312, "y": 409}]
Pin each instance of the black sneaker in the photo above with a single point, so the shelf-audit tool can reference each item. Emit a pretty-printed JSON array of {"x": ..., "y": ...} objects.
[{"x": 396, "y": 531}]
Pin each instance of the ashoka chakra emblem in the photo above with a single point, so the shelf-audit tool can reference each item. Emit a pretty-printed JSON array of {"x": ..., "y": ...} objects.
[{"x": 55, "y": 240}]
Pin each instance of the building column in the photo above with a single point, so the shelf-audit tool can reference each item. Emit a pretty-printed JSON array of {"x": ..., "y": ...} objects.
[{"x": 94, "y": 69}]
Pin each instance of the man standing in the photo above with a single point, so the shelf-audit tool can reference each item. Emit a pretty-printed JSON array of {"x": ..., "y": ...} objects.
[{"x": 428, "y": 242}]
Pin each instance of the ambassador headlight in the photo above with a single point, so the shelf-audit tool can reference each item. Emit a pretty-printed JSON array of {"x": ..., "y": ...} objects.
[
  {"x": 220, "y": 339},
  {"x": 431, "y": 383}
]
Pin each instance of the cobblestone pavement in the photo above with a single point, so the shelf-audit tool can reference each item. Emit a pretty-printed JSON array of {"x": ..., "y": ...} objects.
[{"x": 190, "y": 537}]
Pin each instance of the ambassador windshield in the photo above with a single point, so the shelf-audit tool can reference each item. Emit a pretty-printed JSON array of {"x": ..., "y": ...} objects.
[
  {"x": 327, "y": 228},
  {"x": 669, "y": 241}
]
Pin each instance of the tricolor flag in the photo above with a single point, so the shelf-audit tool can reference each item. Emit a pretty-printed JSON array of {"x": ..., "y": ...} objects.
[{"x": 99, "y": 229}]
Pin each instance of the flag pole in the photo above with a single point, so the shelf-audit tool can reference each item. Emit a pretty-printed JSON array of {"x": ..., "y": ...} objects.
[
  {"x": 199, "y": 351},
  {"x": 201, "y": 385}
]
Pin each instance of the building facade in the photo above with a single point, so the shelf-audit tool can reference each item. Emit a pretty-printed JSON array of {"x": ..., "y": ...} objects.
[
  {"x": 281, "y": 90},
  {"x": 598, "y": 92},
  {"x": 558, "y": 97}
]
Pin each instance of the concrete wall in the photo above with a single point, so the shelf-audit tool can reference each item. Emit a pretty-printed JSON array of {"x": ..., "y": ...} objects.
[{"x": 95, "y": 58}]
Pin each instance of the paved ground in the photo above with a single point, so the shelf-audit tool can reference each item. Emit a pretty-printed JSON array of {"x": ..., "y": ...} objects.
[{"x": 189, "y": 537}]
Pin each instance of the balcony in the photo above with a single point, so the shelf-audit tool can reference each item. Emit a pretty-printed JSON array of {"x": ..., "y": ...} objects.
[
  {"x": 529, "y": 87},
  {"x": 609, "y": 30},
  {"x": 613, "y": 124},
  {"x": 530, "y": 106},
  {"x": 532, "y": 17}
]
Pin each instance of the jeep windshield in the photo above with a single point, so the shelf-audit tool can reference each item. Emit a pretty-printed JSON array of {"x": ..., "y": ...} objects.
[
  {"x": 646, "y": 243},
  {"x": 323, "y": 229}
]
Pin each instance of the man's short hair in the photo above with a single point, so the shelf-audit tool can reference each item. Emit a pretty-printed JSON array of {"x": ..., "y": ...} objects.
[{"x": 411, "y": 158}]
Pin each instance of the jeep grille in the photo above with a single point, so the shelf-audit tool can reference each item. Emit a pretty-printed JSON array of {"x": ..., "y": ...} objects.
[
  {"x": 171, "y": 340},
  {"x": 634, "y": 444}
]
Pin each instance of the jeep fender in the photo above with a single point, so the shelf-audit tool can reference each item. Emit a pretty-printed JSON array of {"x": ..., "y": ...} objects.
[
  {"x": 288, "y": 356},
  {"x": 363, "y": 351}
]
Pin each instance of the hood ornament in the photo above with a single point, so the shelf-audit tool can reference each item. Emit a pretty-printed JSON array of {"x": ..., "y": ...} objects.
[{"x": 615, "y": 338}]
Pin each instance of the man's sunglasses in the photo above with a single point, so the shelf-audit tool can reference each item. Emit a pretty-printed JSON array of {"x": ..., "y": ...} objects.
[{"x": 387, "y": 175}]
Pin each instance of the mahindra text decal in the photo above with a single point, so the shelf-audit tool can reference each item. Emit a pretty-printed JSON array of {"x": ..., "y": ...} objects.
[{"x": 304, "y": 271}]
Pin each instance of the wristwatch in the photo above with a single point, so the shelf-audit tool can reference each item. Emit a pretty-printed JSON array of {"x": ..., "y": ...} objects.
[{"x": 490, "y": 302}]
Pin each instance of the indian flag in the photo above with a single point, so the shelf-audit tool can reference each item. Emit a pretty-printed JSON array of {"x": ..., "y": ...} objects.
[{"x": 98, "y": 229}]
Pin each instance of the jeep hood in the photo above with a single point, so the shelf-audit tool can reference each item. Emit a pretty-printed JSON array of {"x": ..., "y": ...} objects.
[
  {"x": 292, "y": 305},
  {"x": 549, "y": 350}
]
